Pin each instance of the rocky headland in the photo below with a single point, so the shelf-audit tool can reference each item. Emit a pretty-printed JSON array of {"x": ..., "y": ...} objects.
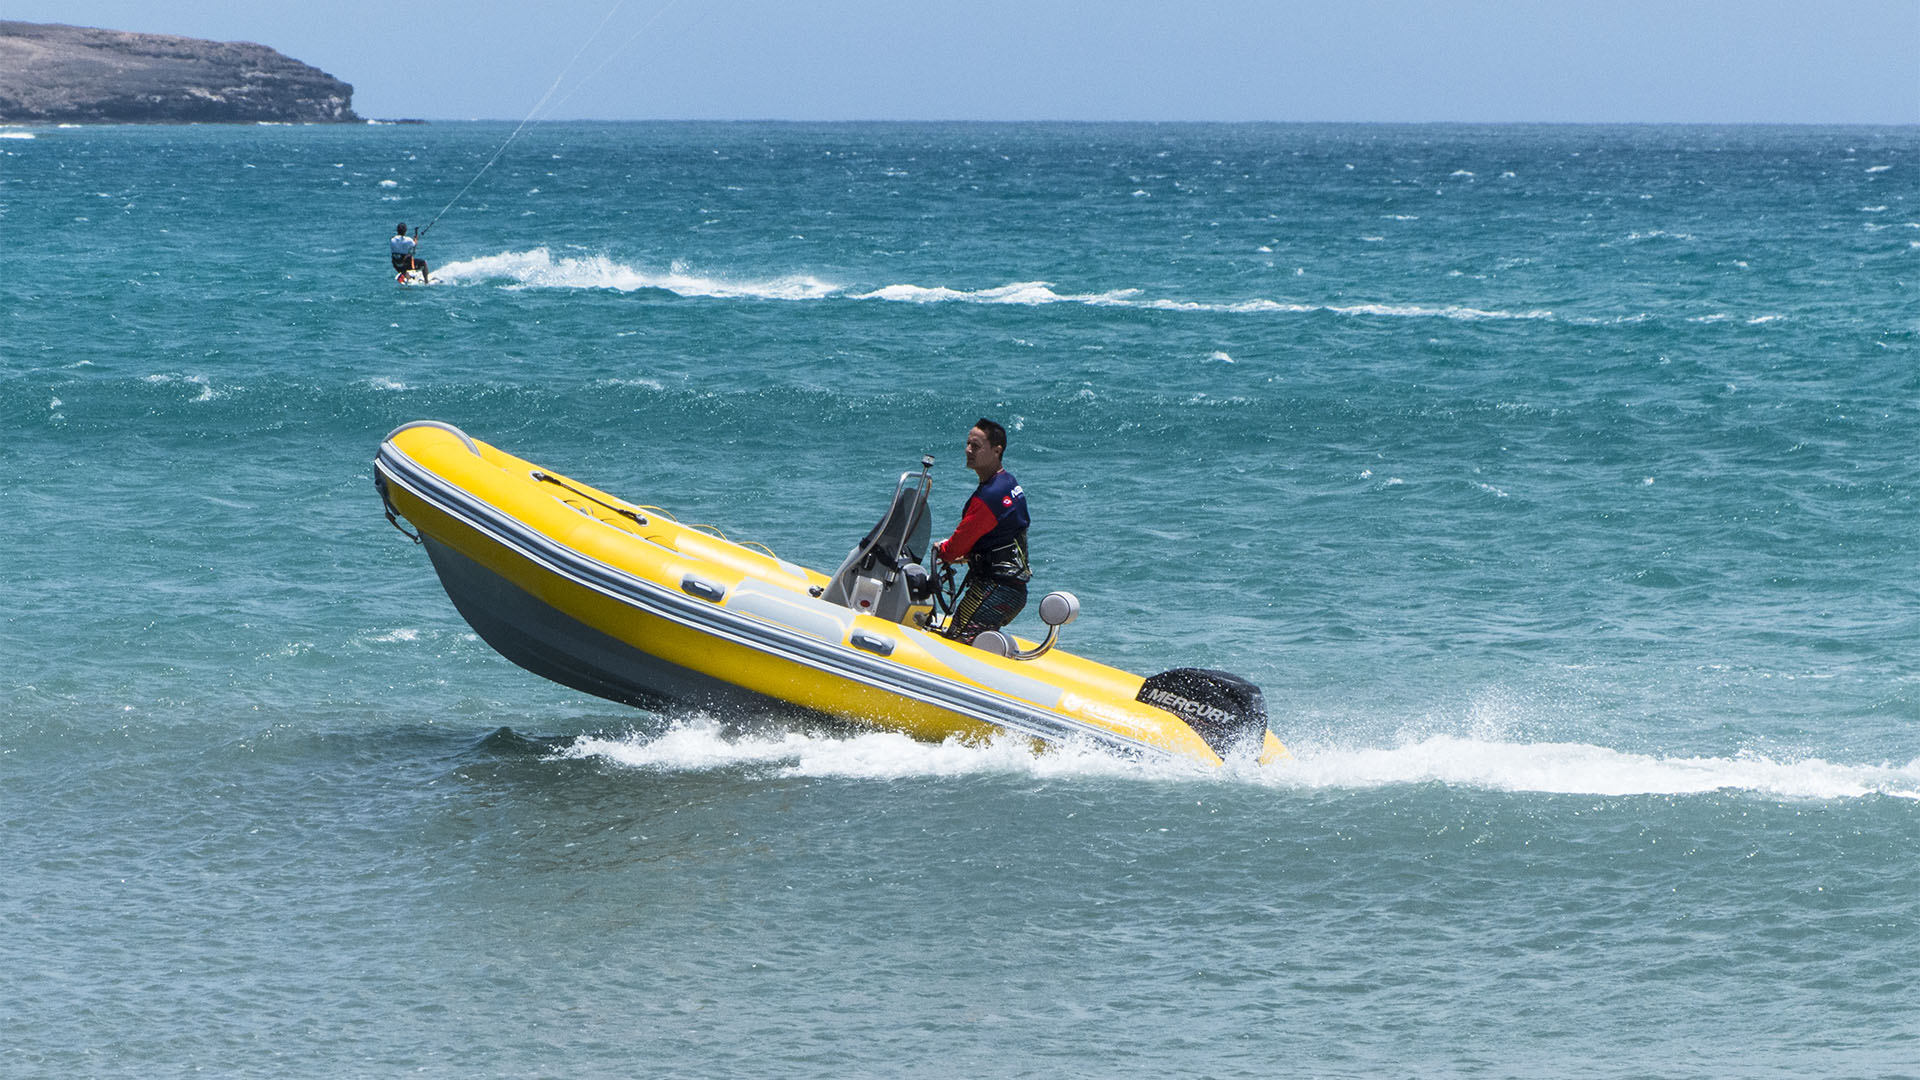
[{"x": 53, "y": 74}]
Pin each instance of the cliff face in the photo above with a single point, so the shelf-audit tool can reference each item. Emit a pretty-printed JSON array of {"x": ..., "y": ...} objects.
[{"x": 71, "y": 74}]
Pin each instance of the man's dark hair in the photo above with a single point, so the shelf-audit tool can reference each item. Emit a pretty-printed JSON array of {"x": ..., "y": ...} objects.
[
  {"x": 402, "y": 230},
  {"x": 996, "y": 435}
]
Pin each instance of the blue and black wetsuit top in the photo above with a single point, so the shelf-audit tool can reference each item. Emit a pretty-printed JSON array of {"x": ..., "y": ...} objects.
[{"x": 992, "y": 534}]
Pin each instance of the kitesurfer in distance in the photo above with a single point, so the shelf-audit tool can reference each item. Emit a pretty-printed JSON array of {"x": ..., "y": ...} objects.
[
  {"x": 992, "y": 538},
  {"x": 403, "y": 259}
]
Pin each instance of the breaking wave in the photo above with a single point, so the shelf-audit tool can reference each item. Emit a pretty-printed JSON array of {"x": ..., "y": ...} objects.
[{"x": 541, "y": 269}]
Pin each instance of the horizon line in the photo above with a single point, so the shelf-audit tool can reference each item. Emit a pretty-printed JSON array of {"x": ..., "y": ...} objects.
[{"x": 1118, "y": 122}]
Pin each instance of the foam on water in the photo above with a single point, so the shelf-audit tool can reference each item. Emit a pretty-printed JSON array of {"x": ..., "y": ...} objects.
[
  {"x": 701, "y": 744},
  {"x": 539, "y": 268},
  {"x": 1458, "y": 762},
  {"x": 201, "y": 382},
  {"x": 1042, "y": 292},
  {"x": 1585, "y": 769},
  {"x": 1019, "y": 292}
]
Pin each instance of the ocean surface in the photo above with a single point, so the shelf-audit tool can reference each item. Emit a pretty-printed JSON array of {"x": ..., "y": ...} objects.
[{"x": 1558, "y": 485}]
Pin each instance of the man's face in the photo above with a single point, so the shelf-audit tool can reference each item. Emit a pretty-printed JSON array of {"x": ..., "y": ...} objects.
[{"x": 980, "y": 453}]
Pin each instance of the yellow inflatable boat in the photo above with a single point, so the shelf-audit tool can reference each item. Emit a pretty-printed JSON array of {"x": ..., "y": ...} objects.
[{"x": 623, "y": 601}]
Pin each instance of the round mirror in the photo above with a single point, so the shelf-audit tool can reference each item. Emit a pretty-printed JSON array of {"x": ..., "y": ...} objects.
[{"x": 1059, "y": 608}]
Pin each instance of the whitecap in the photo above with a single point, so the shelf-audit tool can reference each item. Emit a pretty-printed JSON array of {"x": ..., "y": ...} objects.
[
  {"x": 1449, "y": 312},
  {"x": 1020, "y": 292},
  {"x": 206, "y": 387},
  {"x": 1042, "y": 292},
  {"x": 539, "y": 269}
]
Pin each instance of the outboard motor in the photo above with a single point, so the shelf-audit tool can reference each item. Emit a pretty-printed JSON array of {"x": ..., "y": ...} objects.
[{"x": 1225, "y": 710}]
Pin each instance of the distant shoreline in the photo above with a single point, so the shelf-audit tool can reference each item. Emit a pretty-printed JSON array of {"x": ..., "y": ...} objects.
[
  {"x": 1701, "y": 125},
  {"x": 51, "y": 73}
]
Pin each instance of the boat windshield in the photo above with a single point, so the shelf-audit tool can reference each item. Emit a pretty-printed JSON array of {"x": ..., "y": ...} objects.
[{"x": 921, "y": 532}]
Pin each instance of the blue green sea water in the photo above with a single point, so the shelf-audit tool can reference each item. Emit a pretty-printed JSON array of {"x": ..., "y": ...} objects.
[{"x": 1557, "y": 484}]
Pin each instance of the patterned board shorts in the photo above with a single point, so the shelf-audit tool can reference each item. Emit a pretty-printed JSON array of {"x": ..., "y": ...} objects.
[{"x": 985, "y": 604}]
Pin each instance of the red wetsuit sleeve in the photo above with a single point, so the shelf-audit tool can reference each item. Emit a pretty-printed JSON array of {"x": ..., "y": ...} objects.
[{"x": 977, "y": 522}]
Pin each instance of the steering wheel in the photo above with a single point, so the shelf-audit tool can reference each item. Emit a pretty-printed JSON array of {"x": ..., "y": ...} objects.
[{"x": 946, "y": 593}]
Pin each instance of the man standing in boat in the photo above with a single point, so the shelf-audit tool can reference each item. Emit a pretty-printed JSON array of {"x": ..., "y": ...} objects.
[
  {"x": 992, "y": 538},
  {"x": 403, "y": 259}
]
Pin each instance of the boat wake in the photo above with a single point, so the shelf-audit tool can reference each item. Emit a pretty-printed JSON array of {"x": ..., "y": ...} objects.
[
  {"x": 1585, "y": 769},
  {"x": 1456, "y": 762},
  {"x": 702, "y": 745}
]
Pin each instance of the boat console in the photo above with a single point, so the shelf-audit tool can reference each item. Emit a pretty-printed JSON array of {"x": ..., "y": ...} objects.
[
  {"x": 874, "y": 578},
  {"x": 890, "y": 573}
]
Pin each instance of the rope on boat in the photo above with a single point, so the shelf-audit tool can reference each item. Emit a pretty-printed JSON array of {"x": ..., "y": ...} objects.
[
  {"x": 393, "y": 516},
  {"x": 548, "y": 478},
  {"x": 711, "y": 530}
]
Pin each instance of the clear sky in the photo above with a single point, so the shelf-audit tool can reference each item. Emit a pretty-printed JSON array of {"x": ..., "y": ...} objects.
[{"x": 1714, "y": 61}]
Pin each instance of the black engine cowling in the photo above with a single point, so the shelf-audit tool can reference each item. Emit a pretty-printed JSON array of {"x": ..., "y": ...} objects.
[{"x": 1225, "y": 710}]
